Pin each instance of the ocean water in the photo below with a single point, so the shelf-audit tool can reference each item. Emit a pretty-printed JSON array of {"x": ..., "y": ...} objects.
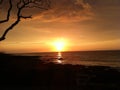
[{"x": 101, "y": 58}]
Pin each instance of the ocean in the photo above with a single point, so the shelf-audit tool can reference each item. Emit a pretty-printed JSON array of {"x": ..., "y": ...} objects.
[{"x": 90, "y": 58}]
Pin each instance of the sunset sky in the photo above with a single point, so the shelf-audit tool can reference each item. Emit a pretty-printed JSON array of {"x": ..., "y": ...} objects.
[{"x": 82, "y": 24}]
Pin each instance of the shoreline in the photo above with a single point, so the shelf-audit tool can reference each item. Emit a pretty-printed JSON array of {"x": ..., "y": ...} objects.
[{"x": 30, "y": 72}]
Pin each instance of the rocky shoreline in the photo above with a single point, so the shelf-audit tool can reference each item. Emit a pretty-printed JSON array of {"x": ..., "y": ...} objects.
[{"x": 29, "y": 72}]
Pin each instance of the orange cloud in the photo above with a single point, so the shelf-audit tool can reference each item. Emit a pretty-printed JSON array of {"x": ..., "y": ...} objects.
[{"x": 67, "y": 11}]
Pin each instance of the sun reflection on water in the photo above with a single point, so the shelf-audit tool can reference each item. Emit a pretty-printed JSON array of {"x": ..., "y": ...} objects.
[
  {"x": 59, "y": 58},
  {"x": 59, "y": 61}
]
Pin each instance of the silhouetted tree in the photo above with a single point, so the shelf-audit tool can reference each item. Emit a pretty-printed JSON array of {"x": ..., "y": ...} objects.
[{"x": 20, "y": 5}]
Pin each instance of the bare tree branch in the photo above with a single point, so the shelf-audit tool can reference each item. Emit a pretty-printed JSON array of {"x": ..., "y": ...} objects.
[
  {"x": 20, "y": 6},
  {"x": 12, "y": 25},
  {"x": 8, "y": 14},
  {"x": 16, "y": 22}
]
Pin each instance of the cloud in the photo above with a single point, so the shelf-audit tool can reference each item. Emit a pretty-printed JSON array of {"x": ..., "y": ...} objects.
[
  {"x": 66, "y": 11},
  {"x": 60, "y": 11}
]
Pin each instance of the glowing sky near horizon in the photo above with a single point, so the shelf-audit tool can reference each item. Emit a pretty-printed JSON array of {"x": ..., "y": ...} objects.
[{"x": 85, "y": 24}]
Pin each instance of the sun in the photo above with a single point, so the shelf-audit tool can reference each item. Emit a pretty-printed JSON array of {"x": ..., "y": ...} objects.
[{"x": 59, "y": 45}]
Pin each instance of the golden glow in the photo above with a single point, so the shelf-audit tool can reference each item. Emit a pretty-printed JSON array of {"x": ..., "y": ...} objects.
[
  {"x": 59, "y": 61},
  {"x": 59, "y": 45}
]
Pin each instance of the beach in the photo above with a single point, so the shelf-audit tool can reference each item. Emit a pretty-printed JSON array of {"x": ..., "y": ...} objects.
[
  {"x": 59, "y": 45},
  {"x": 29, "y": 72}
]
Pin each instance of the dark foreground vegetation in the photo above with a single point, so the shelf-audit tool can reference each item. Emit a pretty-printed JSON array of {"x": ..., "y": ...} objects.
[{"x": 30, "y": 73}]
